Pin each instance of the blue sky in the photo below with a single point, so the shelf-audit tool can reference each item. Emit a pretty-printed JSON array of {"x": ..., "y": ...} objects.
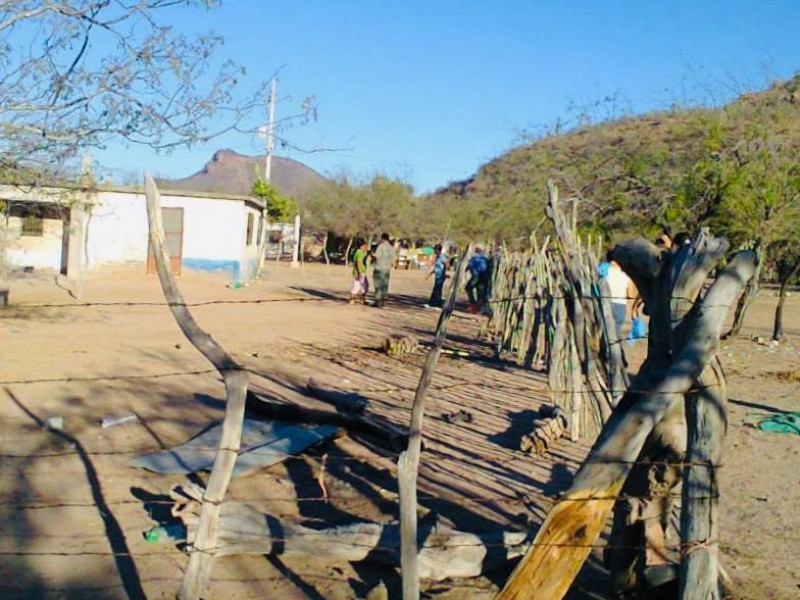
[{"x": 429, "y": 90}]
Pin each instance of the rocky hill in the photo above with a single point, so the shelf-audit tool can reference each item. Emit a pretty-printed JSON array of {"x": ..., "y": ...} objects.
[
  {"x": 232, "y": 173},
  {"x": 636, "y": 173}
]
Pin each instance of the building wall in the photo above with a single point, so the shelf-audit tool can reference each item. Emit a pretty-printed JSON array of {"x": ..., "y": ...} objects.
[
  {"x": 40, "y": 252},
  {"x": 214, "y": 232}
]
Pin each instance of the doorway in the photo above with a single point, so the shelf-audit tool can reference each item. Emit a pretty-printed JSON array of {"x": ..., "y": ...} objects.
[{"x": 172, "y": 218}]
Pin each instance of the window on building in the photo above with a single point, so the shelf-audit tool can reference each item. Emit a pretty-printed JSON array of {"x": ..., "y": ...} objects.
[
  {"x": 33, "y": 225},
  {"x": 250, "y": 229}
]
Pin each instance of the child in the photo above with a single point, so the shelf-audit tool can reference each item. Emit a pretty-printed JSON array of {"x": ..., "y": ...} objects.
[{"x": 360, "y": 284}]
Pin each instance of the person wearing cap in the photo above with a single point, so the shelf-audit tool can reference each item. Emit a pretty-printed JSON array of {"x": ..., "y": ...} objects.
[{"x": 478, "y": 284}]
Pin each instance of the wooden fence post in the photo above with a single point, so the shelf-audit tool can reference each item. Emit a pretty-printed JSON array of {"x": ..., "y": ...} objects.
[
  {"x": 575, "y": 522},
  {"x": 197, "y": 574},
  {"x": 408, "y": 463}
]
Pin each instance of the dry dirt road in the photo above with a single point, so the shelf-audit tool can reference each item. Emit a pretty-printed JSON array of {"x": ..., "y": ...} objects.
[{"x": 73, "y": 511}]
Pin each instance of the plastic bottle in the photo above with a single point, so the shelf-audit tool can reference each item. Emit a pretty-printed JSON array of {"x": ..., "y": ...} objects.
[{"x": 174, "y": 532}]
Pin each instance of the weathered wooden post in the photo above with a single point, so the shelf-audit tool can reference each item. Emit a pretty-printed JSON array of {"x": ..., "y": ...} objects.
[
  {"x": 408, "y": 463},
  {"x": 195, "y": 579}
]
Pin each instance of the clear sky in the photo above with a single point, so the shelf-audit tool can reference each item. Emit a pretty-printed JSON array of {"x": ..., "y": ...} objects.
[{"x": 430, "y": 90}]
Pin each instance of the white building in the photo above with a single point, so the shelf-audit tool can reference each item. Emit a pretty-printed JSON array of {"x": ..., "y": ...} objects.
[{"x": 65, "y": 230}]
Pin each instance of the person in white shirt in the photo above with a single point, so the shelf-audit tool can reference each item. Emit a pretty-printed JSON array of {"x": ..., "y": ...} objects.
[{"x": 619, "y": 284}]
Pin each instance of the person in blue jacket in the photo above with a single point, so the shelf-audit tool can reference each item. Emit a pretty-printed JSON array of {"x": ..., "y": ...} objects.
[
  {"x": 478, "y": 284},
  {"x": 439, "y": 273}
]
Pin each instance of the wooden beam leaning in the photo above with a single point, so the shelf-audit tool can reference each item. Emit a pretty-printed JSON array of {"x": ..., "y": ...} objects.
[
  {"x": 574, "y": 524},
  {"x": 197, "y": 574},
  {"x": 408, "y": 463}
]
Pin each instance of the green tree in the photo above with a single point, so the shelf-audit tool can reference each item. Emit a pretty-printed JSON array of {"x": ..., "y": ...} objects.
[
  {"x": 280, "y": 208},
  {"x": 760, "y": 207}
]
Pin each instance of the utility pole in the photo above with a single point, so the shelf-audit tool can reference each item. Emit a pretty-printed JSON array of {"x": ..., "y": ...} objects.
[
  {"x": 267, "y": 132},
  {"x": 270, "y": 130}
]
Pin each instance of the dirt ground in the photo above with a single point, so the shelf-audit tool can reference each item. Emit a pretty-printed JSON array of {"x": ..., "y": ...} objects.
[{"x": 73, "y": 511}]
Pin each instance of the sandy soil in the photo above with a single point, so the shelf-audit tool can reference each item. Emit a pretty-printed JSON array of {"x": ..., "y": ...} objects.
[{"x": 73, "y": 511}]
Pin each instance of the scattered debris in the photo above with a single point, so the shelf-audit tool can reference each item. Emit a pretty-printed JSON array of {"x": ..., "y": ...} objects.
[
  {"x": 114, "y": 421},
  {"x": 264, "y": 443},
  {"x": 790, "y": 376},
  {"x": 163, "y": 533},
  {"x": 784, "y": 423},
  {"x": 459, "y": 416},
  {"x": 549, "y": 425},
  {"x": 54, "y": 423}
]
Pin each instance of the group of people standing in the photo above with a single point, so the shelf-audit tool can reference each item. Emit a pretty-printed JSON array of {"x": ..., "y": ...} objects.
[
  {"x": 478, "y": 285},
  {"x": 479, "y": 268},
  {"x": 382, "y": 262}
]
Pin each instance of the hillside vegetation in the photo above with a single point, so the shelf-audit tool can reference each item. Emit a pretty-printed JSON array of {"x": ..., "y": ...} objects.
[{"x": 734, "y": 168}]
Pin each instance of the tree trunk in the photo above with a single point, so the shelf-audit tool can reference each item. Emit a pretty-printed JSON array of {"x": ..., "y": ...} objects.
[
  {"x": 325, "y": 250},
  {"x": 786, "y": 277},
  {"x": 777, "y": 329},
  {"x": 746, "y": 299},
  {"x": 347, "y": 252}
]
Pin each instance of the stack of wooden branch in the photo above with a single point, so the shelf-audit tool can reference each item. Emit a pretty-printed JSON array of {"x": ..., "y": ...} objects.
[
  {"x": 397, "y": 345},
  {"x": 552, "y": 307},
  {"x": 667, "y": 428},
  {"x": 549, "y": 425}
]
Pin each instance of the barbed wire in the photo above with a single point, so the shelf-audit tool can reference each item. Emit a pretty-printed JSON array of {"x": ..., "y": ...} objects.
[
  {"x": 329, "y": 539},
  {"x": 128, "y": 304},
  {"x": 588, "y": 391},
  {"x": 519, "y": 498},
  {"x": 515, "y": 454}
]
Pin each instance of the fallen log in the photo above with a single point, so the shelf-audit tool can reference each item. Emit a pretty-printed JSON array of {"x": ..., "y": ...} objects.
[
  {"x": 444, "y": 552},
  {"x": 346, "y": 401},
  {"x": 385, "y": 434}
]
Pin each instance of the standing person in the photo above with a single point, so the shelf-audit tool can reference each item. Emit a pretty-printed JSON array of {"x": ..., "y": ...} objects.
[
  {"x": 478, "y": 284},
  {"x": 439, "y": 272},
  {"x": 360, "y": 283},
  {"x": 384, "y": 261},
  {"x": 619, "y": 284}
]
